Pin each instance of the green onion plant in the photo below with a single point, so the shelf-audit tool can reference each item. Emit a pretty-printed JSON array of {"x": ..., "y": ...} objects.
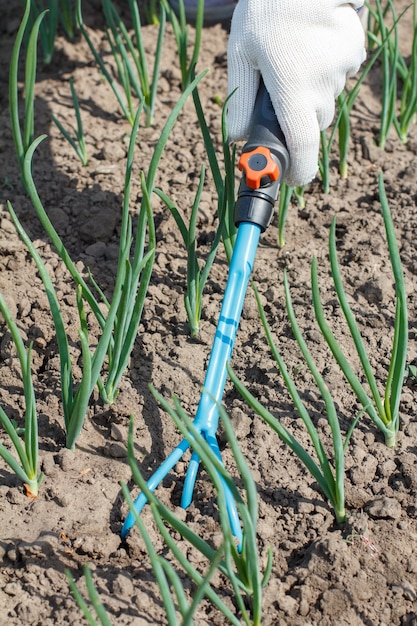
[
  {"x": 328, "y": 470},
  {"x": 225, "y": 184},
  {"x": 343, "y": 129},
  {"x": 347, "y": 99},
  {"x": 139, "y": 268},
  {"x": 407, "y": 72},
  {"x": 286, "y": 195},
  {"x": 384, "y": 411},
  {"x": 390, "y": 55},
  {"x": 48, "y": 26},
  {"x": 23, "y": 135},
  {"x": 24, "y": 441},
  {"x": 75, "y": 399},
  {"x": 241, "y": 568},
  {"x": 79, "y": 142},
  {"x": 182, "y": 38},
  {"x": 196, "y": 276},
  {"x": 226, "y": 230},
  {"x": 284, "y": 201},
  {"x": 399, "y": 89},
  {"x": 151, "y": 12},
  {"x": 67, "y": 18},
  {"x": 129, "y": 56}
]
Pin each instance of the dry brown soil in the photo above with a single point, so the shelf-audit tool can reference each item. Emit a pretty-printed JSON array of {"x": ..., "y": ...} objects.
[{"x": 364, "y": 573}]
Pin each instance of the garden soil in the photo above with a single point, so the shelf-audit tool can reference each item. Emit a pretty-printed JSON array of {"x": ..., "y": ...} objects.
[{"x": 360, "y": 573}]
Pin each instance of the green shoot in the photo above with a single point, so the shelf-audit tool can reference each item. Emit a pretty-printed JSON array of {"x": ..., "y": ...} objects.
[
  {"x": 330, "y": 481},
  {"x": 92, "y": 596},
  {"x": 343, "y": 134},
  {"x": 393, "y": 67},
  {"x": 130, "y": 59},
  {"x": 225, "y": 186},
  {"x": 284, "y": 202},
  {"x": 411, "y": 372},
  {"x": 345, "y": 103},
  {"x": 67, "y": 18},
  {"x": 181, "y": 33},
  {"x": 324, "y": 161},
  {"x": 384, "y": 411},
  {"x": 23, "y": 137},
  {"x": 407, "y": 72},
  {"x": 79, "y": 143},
  {"x": 196, "y": 277},
  {"x": 26, "y": 468},
  {"x": 48, "y": 26},
  {"x": 389, "y": 76},
  {"x": 150, "y": 10}
]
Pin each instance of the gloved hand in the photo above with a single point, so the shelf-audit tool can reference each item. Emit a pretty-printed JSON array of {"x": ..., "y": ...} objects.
[{"x": 304, "y": 50}]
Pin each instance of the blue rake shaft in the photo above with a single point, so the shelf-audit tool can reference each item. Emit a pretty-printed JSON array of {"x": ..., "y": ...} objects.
[{"x": 207, "y": 416}]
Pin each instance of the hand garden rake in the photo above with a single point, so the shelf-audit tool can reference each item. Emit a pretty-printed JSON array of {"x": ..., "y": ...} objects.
[{"x": 263, "y": 162}]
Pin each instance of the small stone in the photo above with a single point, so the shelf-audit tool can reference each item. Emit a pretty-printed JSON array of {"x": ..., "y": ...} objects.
[
  {"x": 66, "y": 459},
  {"x": 241, "y": 422},
  {"x": 59, "y": 219},
  {"x": 289, "y": 605},
  {"x": 384, "y": 508},
  {"x": 118, "y": 433},
  {"x": 12, "y": 555},
  {"x": 116, "y": 450},
  {"x": 96, "y": 250},
  {"x": 406, "y": 590},
  {"x": 370, "y": 151},
  {"x": 306, "y": 508},
  {"x": 123, "y": 586},
  {"x": 12, "y": 589}
]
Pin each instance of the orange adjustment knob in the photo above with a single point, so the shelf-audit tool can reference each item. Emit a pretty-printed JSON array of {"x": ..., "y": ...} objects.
[{"x": 258, "y": 165}]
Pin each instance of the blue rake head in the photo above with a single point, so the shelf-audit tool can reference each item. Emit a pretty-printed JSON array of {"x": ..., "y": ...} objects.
[{"x": 264, "y": 161}]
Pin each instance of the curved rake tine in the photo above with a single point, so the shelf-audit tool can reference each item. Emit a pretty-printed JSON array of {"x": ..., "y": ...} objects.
[
  {"x": 189, "y": 483},
  {"x": 156, "y": 478}
]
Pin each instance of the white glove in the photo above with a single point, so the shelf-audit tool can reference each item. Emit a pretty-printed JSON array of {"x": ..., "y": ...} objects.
[{"x": 304, "y": 50}]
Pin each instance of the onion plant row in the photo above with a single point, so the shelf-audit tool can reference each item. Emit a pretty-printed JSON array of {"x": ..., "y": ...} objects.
[
  {"x": 330, "y": 481},
  {"x": 383, "y": 410},
  {"x": 121, "y": 317}
]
